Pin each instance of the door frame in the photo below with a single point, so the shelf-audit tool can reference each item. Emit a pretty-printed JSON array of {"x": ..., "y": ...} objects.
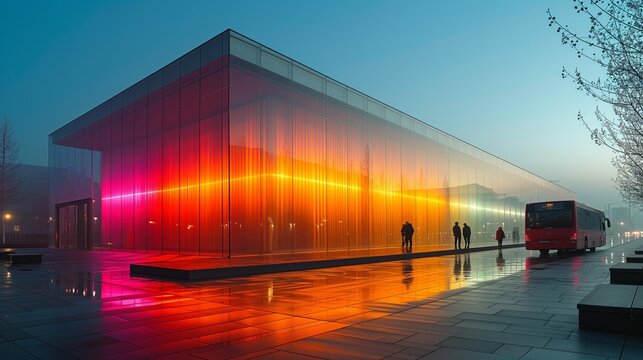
[{"x": 88, "y": 233}]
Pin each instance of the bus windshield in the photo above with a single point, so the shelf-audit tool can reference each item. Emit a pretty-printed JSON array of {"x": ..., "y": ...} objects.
[{"x": 549, "y": 215}]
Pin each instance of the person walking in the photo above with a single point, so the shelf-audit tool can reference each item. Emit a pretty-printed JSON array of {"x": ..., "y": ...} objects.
[
  {"x": 409, "y": 236},
  {"x": 403, "y": 233},
  {"x": 457, "y": 235},
  {"x": 500, "y": 235},
  {"x": 466, "y": 232}
]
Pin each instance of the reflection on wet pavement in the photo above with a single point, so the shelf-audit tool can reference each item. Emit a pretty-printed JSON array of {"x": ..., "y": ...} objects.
[{"x": 86, "y": 304}]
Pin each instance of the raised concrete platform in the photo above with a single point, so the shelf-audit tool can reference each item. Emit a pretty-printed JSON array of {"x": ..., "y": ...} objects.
[
  {"x": 25, "y": 259},
  {"x": 203, "y": 268},
  {"x": 609, "y": 308},
  {"x": 627, "y": 274},
  {"x": 634, "y": 259},
  {"x": 639, "y": 251}
]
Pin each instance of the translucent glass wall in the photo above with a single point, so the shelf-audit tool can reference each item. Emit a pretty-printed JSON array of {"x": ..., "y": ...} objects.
[
  {"x": 153, "y": 159},
  {"x": 236, "y": 149},
  {"x": 318, "y": 166}
]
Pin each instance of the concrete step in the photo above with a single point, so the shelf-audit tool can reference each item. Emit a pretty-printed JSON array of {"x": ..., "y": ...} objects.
[
  {"x": 609, "y": 308},
  {"x": 627, "y": 274}
]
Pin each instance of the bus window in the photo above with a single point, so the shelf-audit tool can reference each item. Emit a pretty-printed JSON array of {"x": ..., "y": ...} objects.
[{"x": 556, "y": 215}]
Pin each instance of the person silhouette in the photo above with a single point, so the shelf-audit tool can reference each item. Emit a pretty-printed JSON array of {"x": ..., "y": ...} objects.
[
  {"x": 457, "y": 235},
  {"x": 403, "y": 233},
  {"x": 409, "y": 236},
  {"x": 466, "y": 233}
]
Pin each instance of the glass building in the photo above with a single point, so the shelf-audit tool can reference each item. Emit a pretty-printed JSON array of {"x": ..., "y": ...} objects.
[{"x": 236, "y": 149}]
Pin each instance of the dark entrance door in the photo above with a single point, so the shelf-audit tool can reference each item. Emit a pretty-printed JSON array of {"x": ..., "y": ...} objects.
[{"x": 73, "y": 225}]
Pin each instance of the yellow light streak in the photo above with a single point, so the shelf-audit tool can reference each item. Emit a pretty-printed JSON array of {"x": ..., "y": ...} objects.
[{"x": 327, "y": 183}]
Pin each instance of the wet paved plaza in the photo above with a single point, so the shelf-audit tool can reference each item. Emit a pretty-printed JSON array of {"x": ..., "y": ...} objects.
[{"x": 483, "y": 305}]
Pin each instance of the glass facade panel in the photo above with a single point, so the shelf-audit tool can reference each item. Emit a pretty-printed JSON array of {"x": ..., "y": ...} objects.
[
  {"x": 275, "y": 63},
  {"x": 235, "y": 149}
]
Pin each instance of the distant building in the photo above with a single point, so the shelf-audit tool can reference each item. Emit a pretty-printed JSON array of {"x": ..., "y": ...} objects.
[
  {"x": 236, "y": 149},
  {"x": 620, "y": 219},
  {"x": 26, "y": 221}
]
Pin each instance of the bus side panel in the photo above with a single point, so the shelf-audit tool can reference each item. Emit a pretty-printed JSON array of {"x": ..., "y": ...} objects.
[
  {"x": 592, "y": 228},
  {"x": 595, "y": 238},
  {"x": 550, "y": 239}
]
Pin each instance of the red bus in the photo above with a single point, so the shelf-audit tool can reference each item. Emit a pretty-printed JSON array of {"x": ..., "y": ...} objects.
[{"x": 563, "y": 225}]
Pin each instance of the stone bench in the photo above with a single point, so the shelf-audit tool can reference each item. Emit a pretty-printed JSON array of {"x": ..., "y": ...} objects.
[
  {"x": 609, "y": 308},
  {"x": 4, "y": 253},
  {"x": 627, "y": 274},
  {"x": 634, "y": 259},
  {"x": 25, "y": 258}
]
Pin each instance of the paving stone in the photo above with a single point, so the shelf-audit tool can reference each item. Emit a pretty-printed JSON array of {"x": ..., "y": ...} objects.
[
  {"x": 47, "y": 351},
  {"x": 543, "y": 331},
  {"x": 534, "y": 315},
  {"x": 446, "y": 353},
  {"x": 504, "y": 337},
  {"x": 422, "y": 338},
  {"x": 502, "y": 319},
  {"x": 482, "y": 325},
  {"x": 285, "y": 355},
  {"x": 14, "y": 352},
  {"x": 540, "y": 354},
  {"x": 341, "y": 347},
  {"x": 632, "y": 352},
  {"x": 586, "y": 347},
  {"x": 470, "y": 344},
  {"x": 513, "y": 351}
]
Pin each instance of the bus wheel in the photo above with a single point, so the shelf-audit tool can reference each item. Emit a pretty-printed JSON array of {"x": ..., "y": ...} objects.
[
  {"x": 544, "y": 252},
  {"x": 592, "y": 249}
]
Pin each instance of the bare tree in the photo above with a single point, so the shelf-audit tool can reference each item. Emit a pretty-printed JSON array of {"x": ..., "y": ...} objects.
[
  {"x": 614, "y": 41},
  {"x": 9, "y": 184}
]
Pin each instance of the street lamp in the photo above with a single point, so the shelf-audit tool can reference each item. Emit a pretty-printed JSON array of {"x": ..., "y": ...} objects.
[{"x": 7, "y": 216}]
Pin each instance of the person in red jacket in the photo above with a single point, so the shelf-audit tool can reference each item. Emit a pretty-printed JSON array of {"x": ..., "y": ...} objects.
[{"x": 500, "y": 235}]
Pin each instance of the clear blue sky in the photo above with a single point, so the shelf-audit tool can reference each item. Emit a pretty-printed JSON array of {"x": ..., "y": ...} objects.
[{"x": 487, "y": 72}]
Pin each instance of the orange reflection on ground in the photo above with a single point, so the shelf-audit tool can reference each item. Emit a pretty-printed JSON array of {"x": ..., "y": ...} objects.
[{"x": 237, "y": 316}]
